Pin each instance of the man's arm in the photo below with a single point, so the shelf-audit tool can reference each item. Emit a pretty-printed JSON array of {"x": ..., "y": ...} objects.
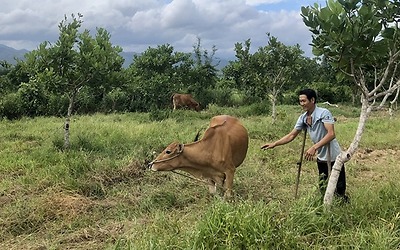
[
  {"x": 286, "y": 139},
  {"x": 330, "y": 135}
]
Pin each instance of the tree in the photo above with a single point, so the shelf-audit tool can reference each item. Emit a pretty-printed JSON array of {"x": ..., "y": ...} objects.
[
  {"x": 266, "y": 73},
  {"x": 203, "y": 73},
  {"x": 155, "y": 74},
  {"x": 5, "y": 84},
  {"x": 310, "y": 70},
  {"x": 359, "y": 38},
  {"x": 275, "y": 66},
  {"x": 76, "y": 60},
  {"x": 240, "y": 71}
]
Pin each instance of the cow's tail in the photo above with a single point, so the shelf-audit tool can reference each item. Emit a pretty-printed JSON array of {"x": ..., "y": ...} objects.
[
  {"x": 196, "y": 138},
  {"x": 172, "y": 99}
]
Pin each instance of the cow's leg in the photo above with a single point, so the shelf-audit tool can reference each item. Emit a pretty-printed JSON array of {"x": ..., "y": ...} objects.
[
  {"x": 212, "y": 186},
  {"x": 228, "y": 183},
  {"x": 214, "y": 182},
  {"x": 174, "y": 105}
]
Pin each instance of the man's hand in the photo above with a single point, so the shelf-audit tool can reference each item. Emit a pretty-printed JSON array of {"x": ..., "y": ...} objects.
[
  {"x": 310, "y": 153},
  {"x": 268, "y": 145}
]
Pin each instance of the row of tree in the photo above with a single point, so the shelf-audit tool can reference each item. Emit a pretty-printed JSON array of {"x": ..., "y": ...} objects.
[{"x": 83, "y": 73}]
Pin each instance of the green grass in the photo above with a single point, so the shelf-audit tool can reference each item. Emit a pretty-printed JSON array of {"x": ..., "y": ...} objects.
[{"x": 99, "y": 195}]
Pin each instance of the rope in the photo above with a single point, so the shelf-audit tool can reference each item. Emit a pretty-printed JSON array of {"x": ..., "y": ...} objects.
[
  {"x": 188, "y": 176},
  {"x": 196, "y": 179},
  {"x": 179, "y": 153}
]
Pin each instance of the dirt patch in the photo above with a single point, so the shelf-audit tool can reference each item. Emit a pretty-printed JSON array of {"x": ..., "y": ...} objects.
[
  {"x": 93, "y": 237},
  {"x": 6, "y": 199},
  {"x": 375, "y": 164},
  {"x": 67, "y": 206},
  {"x": 375, "y": 156},
  {"x": 134, "y": 170},
  {"x": 9, "y": 196}
]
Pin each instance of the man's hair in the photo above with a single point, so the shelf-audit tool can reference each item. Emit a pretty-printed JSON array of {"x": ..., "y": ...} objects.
[{"x": 310, "y": 93}]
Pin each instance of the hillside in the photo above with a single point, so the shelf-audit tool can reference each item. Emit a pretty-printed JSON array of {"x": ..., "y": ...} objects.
[{"x": 9, "y": 54}]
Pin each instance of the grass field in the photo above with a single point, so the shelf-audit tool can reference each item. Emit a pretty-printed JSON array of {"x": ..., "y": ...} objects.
[{"x": 99, "y": 195}]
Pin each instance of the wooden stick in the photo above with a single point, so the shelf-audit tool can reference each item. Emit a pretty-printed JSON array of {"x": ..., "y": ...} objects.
[{"x": 299, "y": 163}]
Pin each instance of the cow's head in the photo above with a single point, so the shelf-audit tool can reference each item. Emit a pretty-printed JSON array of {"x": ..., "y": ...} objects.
[{"x": 166, "y": 161}]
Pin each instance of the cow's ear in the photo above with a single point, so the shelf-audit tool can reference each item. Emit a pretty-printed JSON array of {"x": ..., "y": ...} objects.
[{"x": 180, "y": 148}]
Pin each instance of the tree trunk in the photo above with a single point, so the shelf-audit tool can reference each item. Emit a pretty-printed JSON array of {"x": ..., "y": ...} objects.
[
  {"x": 273, "y": 101},
  {"x": 393, "y": 103},
  {"x": 67, "y": 120},
  {"x": 345, "y": 156}
]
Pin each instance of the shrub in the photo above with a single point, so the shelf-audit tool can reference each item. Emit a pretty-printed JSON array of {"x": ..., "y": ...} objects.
[
  {"x": 116, "y": 100},
  {"x": 260, "y": 108},
  {"x": 33, "y": 98},
  {"x": 159, "y": 114},
  {"x": 57, "y": 105},
  {"x": 11, "y": 106},
  {"x": 86, "y": 101}
]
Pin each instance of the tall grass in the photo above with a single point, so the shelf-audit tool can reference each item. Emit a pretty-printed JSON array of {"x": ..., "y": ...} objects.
[{"x": 99, "y": 195}]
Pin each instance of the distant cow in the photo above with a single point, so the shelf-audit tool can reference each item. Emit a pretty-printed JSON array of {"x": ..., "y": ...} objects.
[
  {"x": 185, "y": 101},
  {"x": 214, "y": 158}
]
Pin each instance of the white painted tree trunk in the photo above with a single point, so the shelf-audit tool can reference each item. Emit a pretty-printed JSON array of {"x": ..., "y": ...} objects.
[
  {"x": 67, "y": 121},
  {"x": 273, "y": 97},
  {"x": 345, "y": 156},
  {"x": 393, "y": 103},
  {"x": 273, "y": 101}
]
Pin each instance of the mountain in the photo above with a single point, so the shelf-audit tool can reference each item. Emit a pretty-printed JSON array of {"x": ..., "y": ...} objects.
[
  {"x": 128, "y": 56},
  {"x": 9, "y": 54}
]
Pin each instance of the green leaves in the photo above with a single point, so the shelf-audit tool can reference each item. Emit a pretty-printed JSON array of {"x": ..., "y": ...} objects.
[
  {"x": 75, "y": 60},
  {"x": 388, "y": 33},
  {"x": 351, "y": 31},
  {"x": 334, "y": 7},
  {"x": 349, "y": 5}
]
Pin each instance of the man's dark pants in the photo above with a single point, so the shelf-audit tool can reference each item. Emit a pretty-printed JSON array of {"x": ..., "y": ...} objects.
[{"x": 323, "y": 177}]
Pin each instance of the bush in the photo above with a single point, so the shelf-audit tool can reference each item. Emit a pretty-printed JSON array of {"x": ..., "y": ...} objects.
[
  {"x": 228, "y": 97},
  {"x": 86, "y": 102},
  {"x": 326, "y": 92},
  {"x": 159, "y": 114},
  {"x": 116, "y": 100},
  {"x": 260, "y": 108},
  {"x": 33, "y": 98},
  {"x": 11, "y": 106},
  {"x": 57, "y": 105},
  {"x": 332, "y": 93}
]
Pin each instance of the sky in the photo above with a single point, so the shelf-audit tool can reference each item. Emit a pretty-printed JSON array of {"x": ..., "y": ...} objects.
[{"x": 136, "y": 25}]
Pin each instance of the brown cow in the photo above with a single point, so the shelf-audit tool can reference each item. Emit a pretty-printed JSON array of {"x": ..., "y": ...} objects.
[
  {"x": 185, "y": 100},
  {"x": 214, "y": 158}
]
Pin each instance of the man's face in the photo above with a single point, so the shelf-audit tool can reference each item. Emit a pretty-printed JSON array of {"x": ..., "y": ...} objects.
[{"x": 306, "y": 104}]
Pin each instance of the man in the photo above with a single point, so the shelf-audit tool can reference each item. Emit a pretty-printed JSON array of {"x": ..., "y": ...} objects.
[{"x": 319, "y": 123}]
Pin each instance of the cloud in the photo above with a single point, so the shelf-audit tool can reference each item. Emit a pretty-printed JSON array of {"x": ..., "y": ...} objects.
[
  {"x": 260, "y": 2},
  {"x": 136, "y": 25}
]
